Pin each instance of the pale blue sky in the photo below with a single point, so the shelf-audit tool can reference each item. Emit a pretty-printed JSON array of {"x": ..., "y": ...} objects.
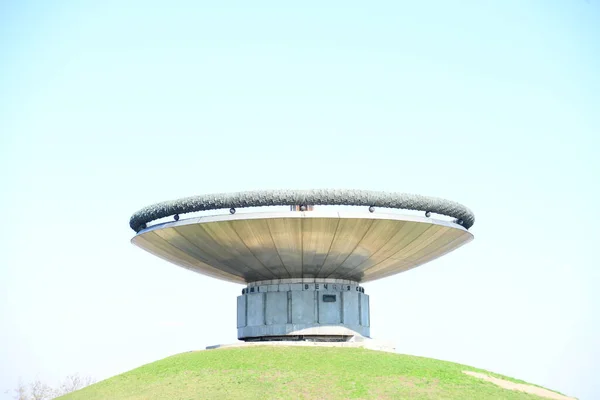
[{"x": 106, "y": 108}]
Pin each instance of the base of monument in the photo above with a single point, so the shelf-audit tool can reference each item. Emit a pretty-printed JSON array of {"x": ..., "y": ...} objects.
[
  {"x": 300, "y": 338},
  {"x": 300, "y": 308},
  {"x": 353, "y": 342}
]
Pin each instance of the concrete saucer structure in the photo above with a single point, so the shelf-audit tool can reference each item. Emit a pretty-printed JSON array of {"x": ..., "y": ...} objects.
[{"x": 302, "y": 268}]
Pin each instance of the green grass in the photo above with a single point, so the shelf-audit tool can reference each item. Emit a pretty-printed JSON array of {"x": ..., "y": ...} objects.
[{"x": 276, "y": 372}]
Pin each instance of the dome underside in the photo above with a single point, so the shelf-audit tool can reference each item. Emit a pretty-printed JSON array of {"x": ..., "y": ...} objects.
[{"x": 250, "y": 247}]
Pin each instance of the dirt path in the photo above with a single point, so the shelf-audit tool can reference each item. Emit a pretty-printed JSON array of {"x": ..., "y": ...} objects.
[{"x": 538, "y": 391}]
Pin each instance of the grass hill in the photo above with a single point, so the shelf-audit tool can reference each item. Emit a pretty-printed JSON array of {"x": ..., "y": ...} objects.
[{"x": 280, "y": 372}]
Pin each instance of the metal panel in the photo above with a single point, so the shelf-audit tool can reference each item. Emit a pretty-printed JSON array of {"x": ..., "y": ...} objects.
[
  {"x": 401, "y": 259},
  {"x": 348, "y": 235},
  {"x": 393, "y": 267},
  {"x": 257, "y": 238},
  {"x": 154, "y": 244},
  {"x": 234, "y": 249},
  {"x": 405, "y": 233},
  {"x": 287, "y": 236},
  {"x": 203, "y": 250},
  {"x": 317, "y": 238},
  {"x": 378, "y": 235},
  {"x": 285, "y": 245}
]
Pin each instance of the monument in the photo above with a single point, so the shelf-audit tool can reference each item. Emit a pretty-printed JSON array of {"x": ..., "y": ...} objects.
[{"x": 302, "y": 268}]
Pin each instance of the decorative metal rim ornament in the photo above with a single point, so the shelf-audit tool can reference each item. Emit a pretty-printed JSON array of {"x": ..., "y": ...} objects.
[{"x": 463, "y": 216}]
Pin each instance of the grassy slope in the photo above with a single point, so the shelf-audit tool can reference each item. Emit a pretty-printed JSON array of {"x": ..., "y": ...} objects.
[{"x": 296, "y": 372}]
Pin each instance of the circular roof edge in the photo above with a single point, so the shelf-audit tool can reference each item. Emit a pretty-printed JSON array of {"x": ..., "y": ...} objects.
[
  {"x": 295, "y": 215},
  {"x": 463, "y": 215}
]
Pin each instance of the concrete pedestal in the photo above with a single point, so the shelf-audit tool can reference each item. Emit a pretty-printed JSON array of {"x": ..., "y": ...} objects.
[{"x": 309, "y": 309}]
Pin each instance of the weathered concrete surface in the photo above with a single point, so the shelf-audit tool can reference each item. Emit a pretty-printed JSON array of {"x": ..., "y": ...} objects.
[
  {"x": 276, "y": 308},
  {"x": 241, "y": 312},
  {"x": 303, "y": 307},
  {"x": 316, "y": 308}
]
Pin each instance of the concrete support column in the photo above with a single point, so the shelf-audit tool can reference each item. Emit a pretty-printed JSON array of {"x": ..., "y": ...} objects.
[{"x": 318, "y": 309}]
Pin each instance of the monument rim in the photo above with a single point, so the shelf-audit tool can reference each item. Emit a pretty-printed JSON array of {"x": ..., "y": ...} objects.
[
  {"x": 223, "y": 252},
  {"x": 295, "y": 215},
  {"x": 461, "y": 214}
]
